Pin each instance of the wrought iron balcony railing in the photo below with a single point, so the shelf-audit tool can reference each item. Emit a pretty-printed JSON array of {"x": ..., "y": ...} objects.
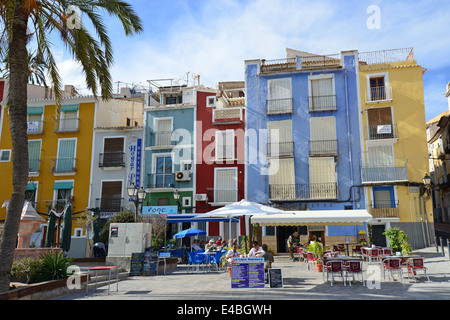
[
  {"x": 312, "y": 191},
  {"x": 109, "y": 204},
  {"x": 161, "y": 139},
  {"x": 379, "y": 93},
  {"x": 322, "y": 103},
  {"x": 111, "y": 159},
  {"x": 67, "y": 125},
  {"x": 279, "y": 106},
  {"x": 384, "y": 209},
  {"x": 384, "y": 174},
  {"x": 323, "y": 148},
  {"x": 382, "y": 132},
  {"x": 64, "y": 165},
  {"x": 280, "y": 149},
  {"x": 160, "y": 180},
  {"x": 222, "y": 195}
]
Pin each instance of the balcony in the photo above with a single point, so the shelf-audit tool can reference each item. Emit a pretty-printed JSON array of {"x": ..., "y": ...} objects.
[
  {"x": 384, "y": 209},
  {"x": 34, "y": 166},
  {"x": 382, "y": 132},
  {"x": 160, "y": 180},
  {"x": 222, "y": 195},
  {"x": 305, "y": 192},
  {"x": 280, "y": 149},
  {"x": 279, "y": 106},
  {"x": 67, "y": 125},
  {"x": 310, "y": 62},
  {"x": 384, "y": 175},
  {"x": 379, "y": 93},
  {"x": 35, "y": 127},
  {"x": 110, "y": 204},
  {"x": 227, "y": 115},
  {"x": 322, "y": 103},
  {"x": 64, "y": 165},
  {"x": 161, "y": 140},
  {"x": 323, "y": 148},
  {"x": 111, "y": 159},
  {"x": 386, "y": 56}
]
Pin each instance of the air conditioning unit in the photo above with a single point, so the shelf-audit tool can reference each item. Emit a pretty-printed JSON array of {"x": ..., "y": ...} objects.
[
  {"x": 201, "y": 197},
  {"x": 183, "y": 176}
]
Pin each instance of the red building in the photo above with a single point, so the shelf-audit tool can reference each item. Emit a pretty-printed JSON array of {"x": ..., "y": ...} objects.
[{"x": 220, "y": 153}]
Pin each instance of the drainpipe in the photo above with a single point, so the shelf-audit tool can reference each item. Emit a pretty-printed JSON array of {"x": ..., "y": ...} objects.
[{"x": 348, "y": 134}]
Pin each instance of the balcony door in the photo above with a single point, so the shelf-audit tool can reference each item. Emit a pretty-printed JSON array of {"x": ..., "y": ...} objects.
[
  {"x": 113, "y": 152},
  {"x": 163, "y": 132},
  {"x": 377, "y": 89},
  {"x": 322, "y": 178},
  {"x": 323, "y": 136},
  {"x": 111, "y": 200},
  {"x": 380, "y": 123},
  {"x": 282, "y": 179},
  {"x": 383, "y": 197},
  {"x": 163, "y": 177},
  {"x": 66, "y": 155},
  {"x": 225, "y": 186},
  {"x": 280, "y": 138}
]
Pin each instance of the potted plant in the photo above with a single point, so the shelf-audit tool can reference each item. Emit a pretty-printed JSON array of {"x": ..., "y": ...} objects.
[{"x": 317, "y": 249}]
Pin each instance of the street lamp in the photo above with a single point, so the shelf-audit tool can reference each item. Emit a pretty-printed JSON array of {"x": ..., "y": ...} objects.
[
  {"x": 137, "y": 196},
  {"x": 427, "y": 180}
]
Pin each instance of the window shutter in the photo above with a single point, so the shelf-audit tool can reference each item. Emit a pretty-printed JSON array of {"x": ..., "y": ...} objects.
[
  {"x": 225, "y": 189},
  {"x": 66, "y": 156},
  {"x": 34, "y": 153}
]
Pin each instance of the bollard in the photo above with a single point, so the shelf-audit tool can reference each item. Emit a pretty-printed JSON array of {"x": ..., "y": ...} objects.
[
  {"x": 448, "y": 247},
  {"x": 436, "y": 243},
  {"x": 442, "y": 246}
]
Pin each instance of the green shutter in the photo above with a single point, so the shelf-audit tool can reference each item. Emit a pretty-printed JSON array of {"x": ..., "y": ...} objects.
[
  {"x": 34, "y": 152},
  {"x": 63, "y": 185},
  {"x": 66, "y": 156}
]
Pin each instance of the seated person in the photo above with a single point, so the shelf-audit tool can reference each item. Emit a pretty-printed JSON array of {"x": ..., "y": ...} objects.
[
  {"x": 232, "y": 253},
  {"x": 256, "y": 248},
  {"x": 195, "y": 245},
  {"x": 209, "y": 245},
  {"x": 219, "y": 242}
]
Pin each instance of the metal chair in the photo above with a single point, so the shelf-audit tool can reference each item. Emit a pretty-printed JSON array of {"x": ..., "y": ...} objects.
[
  {"x": 354, "y": 267},
  {"x": 417, "y": 264},
  {"x": 391, "y": 265},
  {"x": 334, "y": 267},
  {"x": 373, "y": 254}
]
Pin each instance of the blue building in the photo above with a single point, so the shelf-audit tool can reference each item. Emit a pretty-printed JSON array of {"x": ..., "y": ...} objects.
[{"x": 303, "y": 140}]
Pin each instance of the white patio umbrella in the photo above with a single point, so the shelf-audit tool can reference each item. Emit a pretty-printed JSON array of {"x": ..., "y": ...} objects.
[{"x": 241, "y": 208}]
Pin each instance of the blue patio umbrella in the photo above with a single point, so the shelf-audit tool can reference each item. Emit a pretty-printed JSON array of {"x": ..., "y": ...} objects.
[{"x": 189, "y": 233}]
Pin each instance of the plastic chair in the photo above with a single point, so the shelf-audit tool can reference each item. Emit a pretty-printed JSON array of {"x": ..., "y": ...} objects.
[
  {"x": 215, "y": 259},
  {"x": 417, "y": 264},
  {"x": 357, "y": 249},
  {"x": 310, "y": 258},
  {"x": 333, "y": 267},
  {"x": 196, "y": 260},
  {"x": 373, "y": 254},
  {"x": 354, "y": 267},
  {"x": 393, "y": 264}
]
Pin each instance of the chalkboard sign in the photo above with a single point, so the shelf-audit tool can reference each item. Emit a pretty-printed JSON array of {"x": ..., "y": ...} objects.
[
  {"x": 136, "y": 264},
  {"x": 275, "y": 278}
]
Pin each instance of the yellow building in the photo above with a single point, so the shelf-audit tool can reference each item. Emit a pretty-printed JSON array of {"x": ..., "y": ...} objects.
[
  {"x": 60, "y": 153},
  {"x": 395, "y": 157}
]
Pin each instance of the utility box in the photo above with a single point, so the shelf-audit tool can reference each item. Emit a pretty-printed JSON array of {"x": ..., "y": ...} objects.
[{"x": 128, "y": 238}]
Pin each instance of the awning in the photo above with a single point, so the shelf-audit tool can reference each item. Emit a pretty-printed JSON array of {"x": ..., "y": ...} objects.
[
  {"x": 313, "y": 217},
  {"x": 63, "y": 185},
  {"x": 177, "y": 218}
]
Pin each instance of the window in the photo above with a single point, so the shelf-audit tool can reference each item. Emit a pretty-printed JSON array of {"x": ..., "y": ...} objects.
[
  {"x": 111, "y": 200},
  {"x": 224, "y": 145},
  {"x": 378, "y": 87},
  {"x": 113, "y": 155},
  {"x": 211, "y": 101},
  {"x": 63, "y": 191},
  {"x": 66, "y": 156},
  {"x": 280, "y": 138},
  {"x": 163, "y": 201},
  {"x": 31, "y": 193},
  {"x": 163, "y": 177},
  {"x": 322, "y": 93},
  {"x": 35, "y": 120},
  {"x": 380, "y": 123},
  {"x": 163, "y": 132},
  {"x": 34, "y": 155},
  {"x": 323, "y": 136},
  {"x": 381, "y": 156},
  {"x": 5, "y": 155},
  {"x": 69, "y": 118},
  {"x": 322, "y": 178},
  {"x": 279, "y": 96},
  {"x": 282, "y": 179},
  {"x": 383, "y": 197},
  {"x": 225, "y": 188}
]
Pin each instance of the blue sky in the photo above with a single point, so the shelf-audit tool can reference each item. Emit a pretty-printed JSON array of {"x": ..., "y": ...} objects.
[{"x": 212, "y": 39}]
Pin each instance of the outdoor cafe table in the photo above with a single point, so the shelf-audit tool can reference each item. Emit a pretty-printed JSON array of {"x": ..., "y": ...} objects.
[
  {"x": 342, "y": 259},
  {"x": 109, "y": 268}
]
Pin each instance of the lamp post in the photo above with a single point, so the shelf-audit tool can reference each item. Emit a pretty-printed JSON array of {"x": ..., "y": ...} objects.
[
  {"x": 137, "y": 196},
  {"x": 427, "y": 185}
]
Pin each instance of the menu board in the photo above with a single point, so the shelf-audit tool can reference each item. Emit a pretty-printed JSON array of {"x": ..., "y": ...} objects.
[
  {"x": 247, "y": 273},
  {"x": 150, "y": 263},
  {"x": 275, "y": 278},
  {"x": 136, "y": 264}
]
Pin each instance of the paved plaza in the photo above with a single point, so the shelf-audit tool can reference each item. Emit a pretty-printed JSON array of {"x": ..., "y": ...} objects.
[{"x": 298, "y": 283}]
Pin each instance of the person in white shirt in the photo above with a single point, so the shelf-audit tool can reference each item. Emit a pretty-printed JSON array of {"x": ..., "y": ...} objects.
[
  {"x": 232, "y": 253},
  {"x": 195, "y": 246},
  {"x": 256, "y": 248}
]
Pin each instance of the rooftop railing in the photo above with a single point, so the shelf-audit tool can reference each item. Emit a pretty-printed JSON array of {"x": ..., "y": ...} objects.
[{"x": 386, "y": 56}]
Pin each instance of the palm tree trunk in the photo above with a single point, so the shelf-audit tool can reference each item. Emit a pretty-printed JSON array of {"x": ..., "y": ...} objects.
[{"x": 18, "y": 129}]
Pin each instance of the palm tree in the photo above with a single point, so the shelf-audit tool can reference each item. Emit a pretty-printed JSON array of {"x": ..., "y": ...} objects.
[
  {"x": 36, "y": 69},
  {"x": 19, "y": 19}
]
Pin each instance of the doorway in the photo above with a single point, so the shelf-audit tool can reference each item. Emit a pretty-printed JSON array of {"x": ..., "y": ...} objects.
[
  {"x": 283, "y": 234},
  {"x": 377, "y": 234}
]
